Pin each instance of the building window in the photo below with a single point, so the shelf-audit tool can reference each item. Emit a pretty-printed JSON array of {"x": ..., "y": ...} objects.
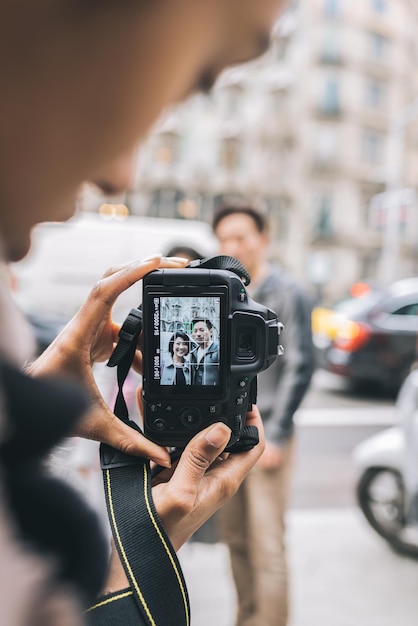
[
  {"x": 232, "y": 96},
  {"x": 167, "y": 148},
  {"x": 379, "y": 6},
  {"x": 188, "y": 208},
  {"x": 326, "y": 145},
  {"x": 332, "y": 7},
  {"x": 369, "y": 265},
  {"x": 323, "y": 228},
  {"x": 378, "y": 46},
  {"x": 331, "y": 47},
  {"x": 330, "y": 101},
  {"x": 231, "y": 152},
  {"x": 376, "y": 94},
  {"x": 164, "y": 202},
  {"x": 372, "y": 146},
  {"x": 280, "y": 47}
]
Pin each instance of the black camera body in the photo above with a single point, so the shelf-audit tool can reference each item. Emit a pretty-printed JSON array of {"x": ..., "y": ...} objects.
[{"x": 204, "y": 341}]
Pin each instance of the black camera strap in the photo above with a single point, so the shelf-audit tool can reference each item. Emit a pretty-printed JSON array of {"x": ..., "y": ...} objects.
[{"x": 157, "y": 595}]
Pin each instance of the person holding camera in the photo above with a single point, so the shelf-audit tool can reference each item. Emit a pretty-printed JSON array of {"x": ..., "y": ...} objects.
[
  {"x": 176, "y": 371},
  {"x": 82, "y": 83},
  {"x": 252, "y": 523},
  {"x": 204, "y": 358}
]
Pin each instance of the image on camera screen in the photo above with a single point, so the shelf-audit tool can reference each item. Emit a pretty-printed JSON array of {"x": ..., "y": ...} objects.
[{"x": 188, "y": 343}]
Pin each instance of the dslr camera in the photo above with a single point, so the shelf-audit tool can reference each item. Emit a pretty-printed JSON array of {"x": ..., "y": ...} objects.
[{"x": 204, "y": 340}]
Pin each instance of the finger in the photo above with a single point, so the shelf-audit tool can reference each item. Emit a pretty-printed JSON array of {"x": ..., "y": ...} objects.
[
  {"x": 165, "y": 262},
  {"x": 163, "y": 475},
  {"x": 117, "y": 280},
  {"x": 139, "y": 400},
  {"x": 121, "y": 278},
  {"x": 111, "y": 430},
  {"x": 199, "y": 454},
  {"x": 237, "y": 466},
  {"x": 137, "y": 362}
]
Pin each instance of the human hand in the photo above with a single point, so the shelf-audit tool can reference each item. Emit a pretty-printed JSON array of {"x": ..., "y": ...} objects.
[
  {"x": 91, "y": 336},
  {"x": 272, "y": 457},
  {"x": 190, "y": 492},
  {"x": 201, "y": 482}
]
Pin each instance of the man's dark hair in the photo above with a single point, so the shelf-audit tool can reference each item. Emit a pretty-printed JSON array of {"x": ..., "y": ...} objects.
[
  {"x": 225, "y": 210},
  {"x": 204, "y": 320},
  {"x": 185, "y": 251}
]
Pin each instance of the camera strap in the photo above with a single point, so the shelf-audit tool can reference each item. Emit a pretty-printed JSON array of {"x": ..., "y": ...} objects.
[{"x": 157, "y": 595}]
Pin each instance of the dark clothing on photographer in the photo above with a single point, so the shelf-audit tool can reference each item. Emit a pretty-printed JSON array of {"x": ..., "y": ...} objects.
[
  {"x": 50, "y": 519},
  {"x": 205, "y": 371}
]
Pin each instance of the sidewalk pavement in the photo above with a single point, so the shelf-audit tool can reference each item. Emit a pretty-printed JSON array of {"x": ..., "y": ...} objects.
[{"x": 342, "y": 574}]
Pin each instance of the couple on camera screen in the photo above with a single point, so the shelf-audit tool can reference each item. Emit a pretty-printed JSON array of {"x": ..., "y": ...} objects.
[{"x": 192, "y": 359}]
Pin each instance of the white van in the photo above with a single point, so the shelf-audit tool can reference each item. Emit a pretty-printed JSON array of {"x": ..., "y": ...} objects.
[{"x": 67, "y": 259}]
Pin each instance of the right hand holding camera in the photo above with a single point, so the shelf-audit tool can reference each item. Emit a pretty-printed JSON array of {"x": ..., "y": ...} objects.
[
  {"x": 187, "y": 496},
  {"x": 190, "y": 492}
]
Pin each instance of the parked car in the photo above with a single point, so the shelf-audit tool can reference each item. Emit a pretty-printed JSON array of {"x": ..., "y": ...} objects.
[
  {"x": 66, "y": 259},
  {"x": 371, "y": 338}
]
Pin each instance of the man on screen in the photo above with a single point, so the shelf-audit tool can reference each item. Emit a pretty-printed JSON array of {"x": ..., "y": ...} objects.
[{"x": 204, "y": 358}]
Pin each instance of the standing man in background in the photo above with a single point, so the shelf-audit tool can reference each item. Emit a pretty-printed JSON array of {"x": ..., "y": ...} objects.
[{"x": 252, "y": 523}]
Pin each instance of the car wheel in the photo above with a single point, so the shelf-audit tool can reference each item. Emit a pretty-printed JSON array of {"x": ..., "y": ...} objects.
[{"x": 381, "y": 497}]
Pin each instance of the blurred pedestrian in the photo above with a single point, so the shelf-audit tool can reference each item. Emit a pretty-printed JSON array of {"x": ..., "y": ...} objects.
[
  {"x": 185, "y": 252},
  {"x": 252, "y": 523}
]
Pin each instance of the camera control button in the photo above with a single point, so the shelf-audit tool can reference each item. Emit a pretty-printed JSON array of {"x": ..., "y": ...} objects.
[
  {"x": 243, "y": 382},
  {"x": 237, "y": 425},
  {"x": 191, "y": 417},
  {"x": 239, "y": 401},
  {"x": 159, "y": 424}
]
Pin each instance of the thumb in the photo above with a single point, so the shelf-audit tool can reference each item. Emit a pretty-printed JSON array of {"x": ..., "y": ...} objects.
[{"x": 201, "y": 452}]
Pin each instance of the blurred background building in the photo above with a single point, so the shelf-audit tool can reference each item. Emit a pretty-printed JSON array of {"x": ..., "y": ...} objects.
[{"x": 322, "y": 132}]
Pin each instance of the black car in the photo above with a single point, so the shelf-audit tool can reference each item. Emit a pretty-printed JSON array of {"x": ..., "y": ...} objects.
[{"x": 372, "y": 338}]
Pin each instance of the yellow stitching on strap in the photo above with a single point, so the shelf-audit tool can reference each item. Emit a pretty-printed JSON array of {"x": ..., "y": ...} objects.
[
  {"x": 122, "y": 551},
  {"x": 170, "y": 556},
  {"x": 121, "y": 596}
]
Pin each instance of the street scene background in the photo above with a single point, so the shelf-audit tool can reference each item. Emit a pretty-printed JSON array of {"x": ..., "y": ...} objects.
[
  {"x": 321, "y": 133},
  {"x": 341, "y": 572}
]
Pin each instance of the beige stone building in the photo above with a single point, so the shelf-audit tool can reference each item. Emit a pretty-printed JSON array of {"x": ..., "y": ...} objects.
[{"x": 311, "y": 132}]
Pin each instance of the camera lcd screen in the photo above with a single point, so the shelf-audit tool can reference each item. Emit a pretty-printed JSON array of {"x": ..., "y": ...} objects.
[{"x": 187, "y": 342}]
